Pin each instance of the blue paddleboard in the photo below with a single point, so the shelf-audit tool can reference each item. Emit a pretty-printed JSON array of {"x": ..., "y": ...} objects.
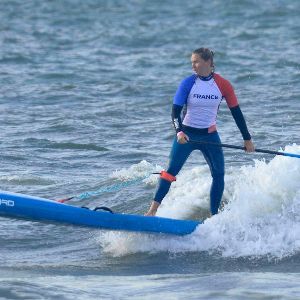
[{"x": 21, "y": 206}]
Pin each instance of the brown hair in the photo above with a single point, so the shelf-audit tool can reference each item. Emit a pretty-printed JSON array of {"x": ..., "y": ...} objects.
[{"x": 206, "y": 54}]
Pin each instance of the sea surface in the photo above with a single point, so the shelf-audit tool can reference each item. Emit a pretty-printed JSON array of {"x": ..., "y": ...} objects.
[{"x": 86, "y": 90}]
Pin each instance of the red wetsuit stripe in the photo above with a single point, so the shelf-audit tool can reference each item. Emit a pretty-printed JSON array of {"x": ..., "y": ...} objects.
[{"x": 226, "y": 90}]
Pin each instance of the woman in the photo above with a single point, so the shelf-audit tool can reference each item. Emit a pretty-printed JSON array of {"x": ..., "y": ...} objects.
[{"x": 202, "y": 94}]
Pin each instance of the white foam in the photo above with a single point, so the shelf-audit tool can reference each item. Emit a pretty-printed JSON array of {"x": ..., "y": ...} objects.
[
  {"x": 262, "y": 216},
  {"x": 139, "y": 170}
]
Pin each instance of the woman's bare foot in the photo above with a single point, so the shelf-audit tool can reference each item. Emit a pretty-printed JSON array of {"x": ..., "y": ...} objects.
[{"x": 153, "y": 209}]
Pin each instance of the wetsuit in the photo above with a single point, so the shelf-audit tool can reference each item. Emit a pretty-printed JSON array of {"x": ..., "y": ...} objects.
[{"x": 201, "y": 96}]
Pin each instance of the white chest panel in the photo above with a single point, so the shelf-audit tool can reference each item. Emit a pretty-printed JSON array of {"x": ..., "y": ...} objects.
[{"x": 203, "y": 104}]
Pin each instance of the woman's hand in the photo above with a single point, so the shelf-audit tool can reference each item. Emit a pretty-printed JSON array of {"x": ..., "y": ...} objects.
[
  {"x": 182, "y": 138},
  {"x": 249, "y": 146}
]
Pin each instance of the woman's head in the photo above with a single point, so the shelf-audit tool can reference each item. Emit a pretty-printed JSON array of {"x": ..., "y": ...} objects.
[{"x": 203, "y": 61}]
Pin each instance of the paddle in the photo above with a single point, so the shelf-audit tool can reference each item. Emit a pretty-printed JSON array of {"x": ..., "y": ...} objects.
[{"x": 243, "y": 148}]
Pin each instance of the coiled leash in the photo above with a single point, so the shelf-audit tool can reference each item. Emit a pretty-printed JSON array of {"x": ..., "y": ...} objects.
[{"x": 115, "y": 188}]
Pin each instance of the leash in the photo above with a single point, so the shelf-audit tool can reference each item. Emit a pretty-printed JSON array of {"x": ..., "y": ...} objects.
[{"x": 108, "y": 189}]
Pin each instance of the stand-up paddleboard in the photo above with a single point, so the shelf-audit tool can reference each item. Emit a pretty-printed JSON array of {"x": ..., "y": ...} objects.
[{"x": 38, "y": 209}]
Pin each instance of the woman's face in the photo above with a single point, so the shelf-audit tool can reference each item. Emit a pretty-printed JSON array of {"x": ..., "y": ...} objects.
[{"x": 200, "y": 66}]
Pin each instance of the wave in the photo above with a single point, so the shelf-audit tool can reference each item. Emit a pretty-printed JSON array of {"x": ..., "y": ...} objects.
[
  {"x": 65, "y": 145},
  {"x": 260, "y": 217}
]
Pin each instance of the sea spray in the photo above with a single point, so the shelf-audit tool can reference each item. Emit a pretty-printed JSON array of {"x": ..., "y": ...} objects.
[{"x": 262, "y": 218}]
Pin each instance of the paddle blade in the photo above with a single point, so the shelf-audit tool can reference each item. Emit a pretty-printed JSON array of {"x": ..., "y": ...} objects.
[{"x": 291, "y": 154}]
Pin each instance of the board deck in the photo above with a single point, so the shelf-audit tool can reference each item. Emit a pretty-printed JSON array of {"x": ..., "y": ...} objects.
[{"x": 21, "y": 206}]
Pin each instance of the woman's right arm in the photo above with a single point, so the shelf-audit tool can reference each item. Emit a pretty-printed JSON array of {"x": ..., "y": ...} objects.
[{"x": 180, "y": 99}]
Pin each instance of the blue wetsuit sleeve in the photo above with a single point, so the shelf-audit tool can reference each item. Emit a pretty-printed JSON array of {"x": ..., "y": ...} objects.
[
  {"x": 183, "y": 90},
  {"x": 176, "y": 118},
  {"x": 240, "y": 122},
  {"x": 180, "y": 99}
]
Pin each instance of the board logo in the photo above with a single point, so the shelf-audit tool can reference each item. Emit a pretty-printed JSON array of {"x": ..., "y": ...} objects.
[{"x": 5, "y": 202}]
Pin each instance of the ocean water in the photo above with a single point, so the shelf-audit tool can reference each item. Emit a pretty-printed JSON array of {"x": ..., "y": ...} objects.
[{"x": 86, "y": 90}]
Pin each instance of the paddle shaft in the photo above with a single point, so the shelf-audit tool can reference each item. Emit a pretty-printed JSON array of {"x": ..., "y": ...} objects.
[{"x": 243, "y": 148}]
